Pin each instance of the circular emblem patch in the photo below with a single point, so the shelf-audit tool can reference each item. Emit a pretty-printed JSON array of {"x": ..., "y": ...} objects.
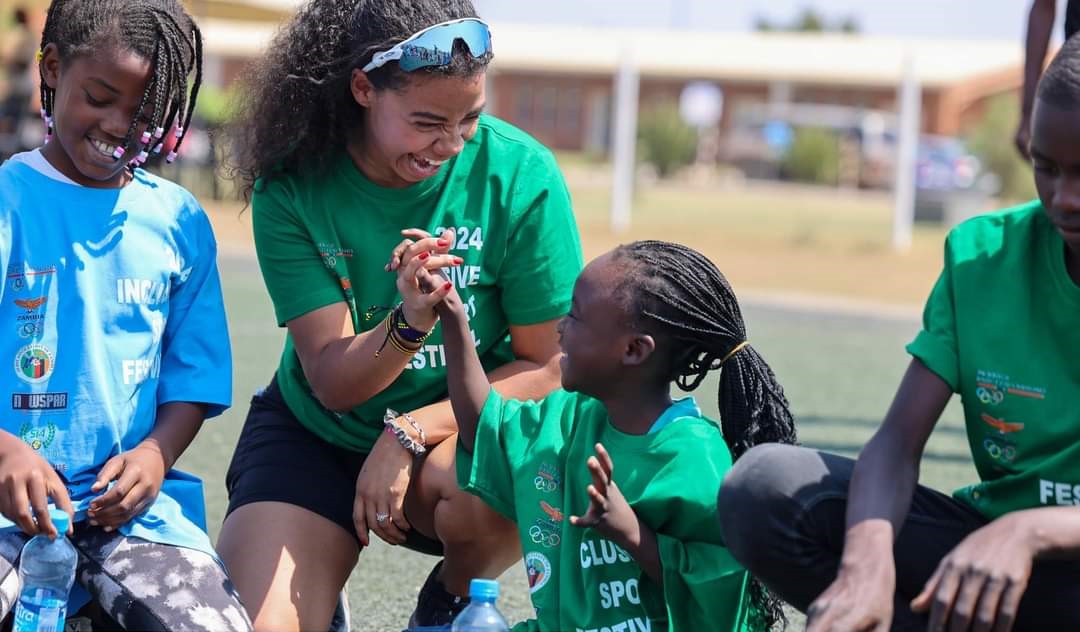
[
  {"x": 538, "y": 569},
  {"x": 34, "y": 363}
]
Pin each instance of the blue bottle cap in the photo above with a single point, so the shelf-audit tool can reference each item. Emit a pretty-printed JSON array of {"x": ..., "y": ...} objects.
[
  {"x": 60, "y": 520},
  {"x": 484, "y": 589}
]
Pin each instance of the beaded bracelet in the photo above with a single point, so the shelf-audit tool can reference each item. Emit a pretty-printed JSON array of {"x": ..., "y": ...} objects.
[
  {"x": 407, "y": 332},
  {"x": 419, "y": 431},
  {"x": 395, "y": 341},
  {"x": 391, "y": 427}
]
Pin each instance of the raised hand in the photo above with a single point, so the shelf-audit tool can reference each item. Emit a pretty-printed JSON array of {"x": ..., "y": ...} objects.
[{"x": 608, "y": 512}]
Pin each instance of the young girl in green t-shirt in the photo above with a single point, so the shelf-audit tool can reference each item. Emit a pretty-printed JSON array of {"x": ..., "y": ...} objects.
[{"x": 612, "y": 484}]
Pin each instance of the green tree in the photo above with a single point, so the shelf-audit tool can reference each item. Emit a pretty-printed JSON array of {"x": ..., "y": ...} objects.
[
  {"x": 991, "y": 142},
  {"x": 814, "y": 156},
  {"x": 664, "y": 139},
  {"x": 809, "y": 20}
]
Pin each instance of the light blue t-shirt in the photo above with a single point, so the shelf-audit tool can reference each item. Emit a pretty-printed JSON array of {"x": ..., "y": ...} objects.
[{"x": 112, "y": 306}]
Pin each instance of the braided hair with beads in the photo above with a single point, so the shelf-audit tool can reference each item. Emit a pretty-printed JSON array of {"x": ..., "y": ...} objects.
[
  {"x": 678, "y": 295},
  {"x": 159, "y": 31}
]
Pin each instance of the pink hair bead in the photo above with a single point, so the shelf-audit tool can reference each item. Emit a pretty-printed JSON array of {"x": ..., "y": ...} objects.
[
  {"x": 171, "y": 157},
  {"x": 157, "y": 148},
  {"x": 145, "y": 137},
  {"x": 159, "y": 132},
  {"x": 118, "y": 153},
  {"x": 179, "y": 131}
]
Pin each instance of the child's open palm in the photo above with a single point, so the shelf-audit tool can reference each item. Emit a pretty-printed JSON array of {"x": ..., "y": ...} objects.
[{"x": 608, "y": 513}]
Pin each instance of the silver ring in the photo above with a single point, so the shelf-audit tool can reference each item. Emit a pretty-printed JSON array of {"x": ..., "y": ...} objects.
[{"x": 381, "y": 517}]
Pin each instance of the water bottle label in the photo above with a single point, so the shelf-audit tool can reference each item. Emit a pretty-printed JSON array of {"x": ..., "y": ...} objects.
[{"x": 39, "y": 612}]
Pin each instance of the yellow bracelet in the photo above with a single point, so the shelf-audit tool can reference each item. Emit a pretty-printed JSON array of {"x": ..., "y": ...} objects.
[{"x": 395, "y": 341}]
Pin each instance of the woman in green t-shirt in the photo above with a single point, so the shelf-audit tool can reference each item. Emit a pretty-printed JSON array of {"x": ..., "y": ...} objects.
[
  {"x": 859, "y": 545},
  {"x": 363, "y": 133}
]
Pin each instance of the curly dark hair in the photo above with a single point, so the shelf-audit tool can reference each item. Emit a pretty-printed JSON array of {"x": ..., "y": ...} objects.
[
  {"x": 675, "y": 292},
  {"x": 159, "y": 31},
  {"x": 298, "y": 110}
]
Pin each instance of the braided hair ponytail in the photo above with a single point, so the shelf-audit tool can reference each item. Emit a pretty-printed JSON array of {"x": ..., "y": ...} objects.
[{"x": 676, "y": 292}]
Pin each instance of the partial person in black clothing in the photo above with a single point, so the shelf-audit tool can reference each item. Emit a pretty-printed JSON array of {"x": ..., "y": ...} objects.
[{"x": 1040, "y": 25}]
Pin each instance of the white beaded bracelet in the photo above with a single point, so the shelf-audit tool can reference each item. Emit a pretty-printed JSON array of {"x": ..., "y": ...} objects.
[{"x": 407, "y": 442}]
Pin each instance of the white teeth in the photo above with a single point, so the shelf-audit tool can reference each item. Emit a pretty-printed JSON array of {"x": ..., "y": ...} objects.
[
  {"x": 426, "y": 164},
  {"x": 103, "y": 148}
]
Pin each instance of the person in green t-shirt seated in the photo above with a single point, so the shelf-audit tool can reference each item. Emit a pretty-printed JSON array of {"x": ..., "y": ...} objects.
[
  {"x": 859, "y": 545},
  {"x": 365, "y": 120},
  {"x": 612, "y": 485}
]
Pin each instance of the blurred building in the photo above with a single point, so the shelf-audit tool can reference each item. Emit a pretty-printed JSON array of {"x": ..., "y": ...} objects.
[{"x": 557, "y": 81}]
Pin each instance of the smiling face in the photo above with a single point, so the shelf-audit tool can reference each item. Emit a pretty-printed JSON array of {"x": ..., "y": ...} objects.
[
  {"x": 409, "y": 132},
  {"x": 96, "y": 99},
  {"x": 1055, "y": 156},
  {"x": 595, "y": 335}
]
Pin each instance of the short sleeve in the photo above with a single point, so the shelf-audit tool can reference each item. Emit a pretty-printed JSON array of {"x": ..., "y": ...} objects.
[
  {"x": 935, "y": 346},
  {"x": 196, "y": 360},
  {"x": 486, "y": 473},
  {"x": 292, "y": 269},
  {"x": 544, "y": 249},
  {"x": 510, "y": 434}
]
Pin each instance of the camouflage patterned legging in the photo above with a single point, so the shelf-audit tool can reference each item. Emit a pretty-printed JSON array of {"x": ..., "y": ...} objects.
[{"x": 140, "y": 584}]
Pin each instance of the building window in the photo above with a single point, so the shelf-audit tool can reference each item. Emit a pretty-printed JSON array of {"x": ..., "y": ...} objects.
[{"x": 551, "y": 110}]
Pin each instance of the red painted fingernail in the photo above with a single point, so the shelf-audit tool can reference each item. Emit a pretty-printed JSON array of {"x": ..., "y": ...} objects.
[
  {"x": 458, "y": 260},
  {"x": 442, "y": 243},
  {"x": 448, "y": 286},
  {"x": 424, "y": 255}
]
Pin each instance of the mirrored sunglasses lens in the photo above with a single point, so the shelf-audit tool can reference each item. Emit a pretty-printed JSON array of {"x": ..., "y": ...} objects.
[{"x": 436, "y": 48}]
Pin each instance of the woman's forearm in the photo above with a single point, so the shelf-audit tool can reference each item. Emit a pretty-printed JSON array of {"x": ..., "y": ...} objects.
[
  {"x": 350, "y": 371},
  {"x": 520, "y": 379}
]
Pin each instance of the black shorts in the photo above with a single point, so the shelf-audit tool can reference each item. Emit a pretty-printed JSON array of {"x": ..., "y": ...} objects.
[{"x": 277, "y": 459}]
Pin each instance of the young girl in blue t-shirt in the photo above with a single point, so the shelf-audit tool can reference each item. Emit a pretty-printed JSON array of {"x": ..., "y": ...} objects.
[{"x": 112, "y": 322}]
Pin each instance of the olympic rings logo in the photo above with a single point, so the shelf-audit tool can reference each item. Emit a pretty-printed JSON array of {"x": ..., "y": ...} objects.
[
  {"x": 541, "y": 536},
  {"x": 1005, "y": 453},
  {"x": 989, "y": 395},
  {"x": 545, "y": 484}
]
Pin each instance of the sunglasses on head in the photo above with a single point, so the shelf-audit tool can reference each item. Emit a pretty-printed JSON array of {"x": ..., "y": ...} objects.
[{"x": 434, "y": 46}]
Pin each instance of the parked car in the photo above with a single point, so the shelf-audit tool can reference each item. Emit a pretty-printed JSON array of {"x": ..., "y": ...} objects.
[{"x": 950, "y": 183}]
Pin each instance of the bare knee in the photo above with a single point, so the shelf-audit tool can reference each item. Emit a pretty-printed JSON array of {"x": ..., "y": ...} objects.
[
  {"x": 464, "y": 518},
  {"x": 288, "y": 564}
]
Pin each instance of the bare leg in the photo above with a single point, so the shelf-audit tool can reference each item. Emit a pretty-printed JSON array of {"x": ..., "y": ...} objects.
[
  {"x": 288, "y": 564},
  {"x": 478, "y": 542}
]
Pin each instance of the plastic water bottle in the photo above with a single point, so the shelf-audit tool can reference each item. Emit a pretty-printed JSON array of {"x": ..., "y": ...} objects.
[
  {"x": 480, "y": 615},
  {"x": 46, "y": 572}
]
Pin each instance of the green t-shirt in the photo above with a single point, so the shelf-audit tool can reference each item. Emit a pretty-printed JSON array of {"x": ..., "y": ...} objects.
[
  {"x": 528, "y": 463},
  {"x": 323, "y": 238},
  {"x": 1001, "y": 328}
]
